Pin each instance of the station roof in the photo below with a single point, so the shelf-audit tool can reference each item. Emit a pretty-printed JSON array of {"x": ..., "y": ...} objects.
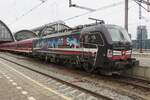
[
  {"x": 50, "y": 28},
  {"x": 24, "y": 34},
  {"x": 5, "y": 33}
]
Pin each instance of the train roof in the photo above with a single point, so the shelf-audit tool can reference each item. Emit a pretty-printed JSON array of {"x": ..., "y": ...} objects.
[
  {"x": 98, "y": 27},
  {"x": 102, "y": 28}
]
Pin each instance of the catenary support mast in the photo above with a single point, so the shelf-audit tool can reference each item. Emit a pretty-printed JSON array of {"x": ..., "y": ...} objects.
[{"x": 126, "y": 14}]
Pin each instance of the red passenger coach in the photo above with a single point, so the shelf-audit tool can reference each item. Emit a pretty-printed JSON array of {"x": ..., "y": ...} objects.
[
  {"x": 11, "y": 46},
  {"x": 23, "y": 43},
  {"x": 24, "y": 46},
  {"x": 24, "y": 40}
]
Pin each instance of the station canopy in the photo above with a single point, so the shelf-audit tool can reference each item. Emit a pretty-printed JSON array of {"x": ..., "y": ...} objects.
[
  {"x": 5, "y": 33},
  {"x": 50, "y": 28},
  {"x": 24, "y": 34}
]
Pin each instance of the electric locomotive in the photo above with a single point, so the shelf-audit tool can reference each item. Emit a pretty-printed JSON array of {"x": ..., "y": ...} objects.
[{"x": 94, "y": 46}]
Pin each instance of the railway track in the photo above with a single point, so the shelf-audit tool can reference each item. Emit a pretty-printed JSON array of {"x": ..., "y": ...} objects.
[
  {"x": 65, "y": 83},
  {"x": 134, "y": 81},
  {"x": 117, "y": 79}
]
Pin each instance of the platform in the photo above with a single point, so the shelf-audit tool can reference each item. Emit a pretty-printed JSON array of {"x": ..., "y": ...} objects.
[
  {"x": 144, "y": 54},
  {"x": 143, "y": 70},
  {"x": 22, "y": 87}
]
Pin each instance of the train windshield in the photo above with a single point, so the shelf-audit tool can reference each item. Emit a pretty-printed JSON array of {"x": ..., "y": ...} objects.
[{"x": 119, "y": 34}]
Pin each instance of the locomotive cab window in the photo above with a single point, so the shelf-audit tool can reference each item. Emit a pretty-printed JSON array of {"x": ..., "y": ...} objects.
[
  {"x": 92, "y": 40},
  {"x": 118, "y": 34},
  {"x": 96, "y": 39}
]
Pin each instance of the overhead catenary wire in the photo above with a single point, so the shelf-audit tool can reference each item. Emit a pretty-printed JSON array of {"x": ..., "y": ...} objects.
[
  {"x": 130, "y": 6},
  {"x": 138, "y": 2},
  {"x": 71, "y": 18},
  {"x": 142, "y": 17},
  {"x": 29, "y": 11},
  {"x": 98, "y": 9},
  {"x": 101, "y": 8}
]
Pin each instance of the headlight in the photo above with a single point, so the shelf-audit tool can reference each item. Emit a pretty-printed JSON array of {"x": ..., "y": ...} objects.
[{"x": 117, "y": 53}]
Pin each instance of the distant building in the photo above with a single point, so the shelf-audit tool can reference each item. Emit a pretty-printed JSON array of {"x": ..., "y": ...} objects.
[
  {"x": 146, "y": 44},
  {"x": 141, "y": 37},
  {"x": 143, "y": 30}
]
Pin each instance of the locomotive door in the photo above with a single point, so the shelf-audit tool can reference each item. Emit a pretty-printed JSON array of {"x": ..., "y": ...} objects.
[
  {"x": 89, "y": 49},
  {"x": 86, "y": 49},
  {"x": 100, "y": 49}
]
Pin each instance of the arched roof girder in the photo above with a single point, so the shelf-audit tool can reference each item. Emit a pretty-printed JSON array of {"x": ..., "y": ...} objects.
[
  {"x": 3, "y": 37},
  {"x": 24, "y": 34}
]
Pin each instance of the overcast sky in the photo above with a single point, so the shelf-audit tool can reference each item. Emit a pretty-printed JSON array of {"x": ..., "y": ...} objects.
[{"x": 53, "y": 10}]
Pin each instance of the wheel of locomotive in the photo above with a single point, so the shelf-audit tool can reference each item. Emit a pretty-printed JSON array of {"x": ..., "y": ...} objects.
[{"x": 88, "y": 67}]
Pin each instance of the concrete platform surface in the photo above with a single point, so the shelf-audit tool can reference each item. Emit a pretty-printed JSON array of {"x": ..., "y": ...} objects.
[
  {"x": 144, "y": 61},
  {"x": 143, "y": 70},
  {"x": 14, "y": 85},
  {"x": 144, "y": 54}
]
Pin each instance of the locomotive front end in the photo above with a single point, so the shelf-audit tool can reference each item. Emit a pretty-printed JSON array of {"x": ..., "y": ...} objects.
[
  {"x": 119, "y": 50},
  {"x": 120, "y": 59},
  {"x": 106, "y": 47}
]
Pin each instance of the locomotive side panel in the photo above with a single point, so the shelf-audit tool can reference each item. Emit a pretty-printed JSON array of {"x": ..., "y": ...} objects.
[
  {"x": 61, "y": 44},
  {"x": 61, "y": 48}
]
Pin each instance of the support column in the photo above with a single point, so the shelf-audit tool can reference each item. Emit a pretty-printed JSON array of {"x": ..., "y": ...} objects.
[{"x": 126, "y": 14}]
